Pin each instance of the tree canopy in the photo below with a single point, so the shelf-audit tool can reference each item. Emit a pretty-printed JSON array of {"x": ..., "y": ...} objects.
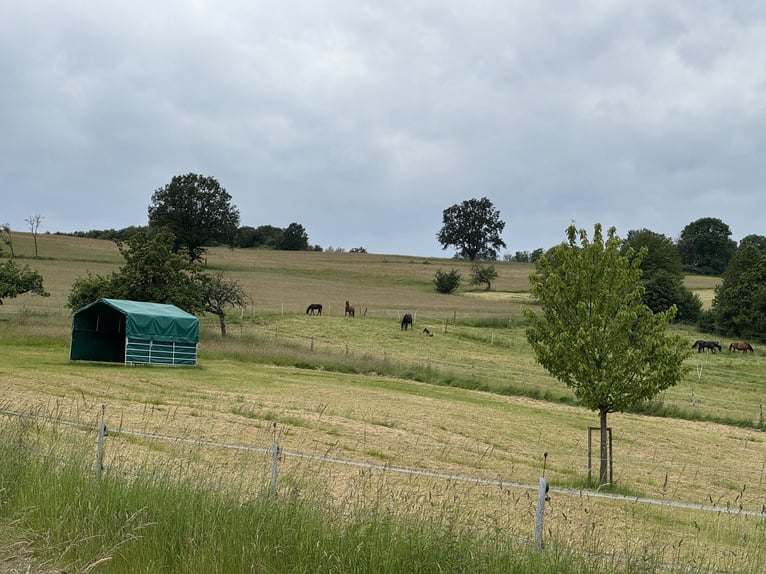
[
  {"x": 152, "y": 272},
  {"x": 705, "y": 247},
  {"x": 16, "y": 280},
  {"x": 197, "y": 211},
  {"x": 594, "y": 332},
  {"x": 739, "y": 306},
  {"x": 219, "y": 293},
  {"x": 294, "y": 238},
  {"x": 662, "y": 274},
  {"x": 474, "y": 228},
  {"x": 661, "y": 252}
]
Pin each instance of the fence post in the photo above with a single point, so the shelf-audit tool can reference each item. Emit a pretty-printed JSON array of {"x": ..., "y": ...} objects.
[
  {"x": 760, "y": 416},
  {"x": 312, "y": 343},
  {"x": 274, "y": 465},
  {"x": 542, "y": 496},
  {"x": 100, "y": 451}
]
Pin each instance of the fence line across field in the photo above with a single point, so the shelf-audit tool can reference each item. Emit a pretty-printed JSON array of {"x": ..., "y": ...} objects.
[{"x": 276, "y": 452}]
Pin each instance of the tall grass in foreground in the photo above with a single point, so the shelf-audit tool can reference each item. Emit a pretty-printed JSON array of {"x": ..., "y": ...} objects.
[{"x": 58, "y": 517}]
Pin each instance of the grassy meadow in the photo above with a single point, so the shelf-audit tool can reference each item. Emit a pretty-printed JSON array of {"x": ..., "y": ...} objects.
[{"x": 379, "y": 425}]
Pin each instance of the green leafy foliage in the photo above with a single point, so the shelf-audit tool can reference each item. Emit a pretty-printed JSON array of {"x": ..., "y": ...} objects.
[
  {"x": 739, "y": 307},
  {"x": 483, "y": 274},
  {"x": 663, "y": 290},
  {"x": 197, "y": 210},
  {"x": 705, "y": 247},
  {"x": 474, "y": 228},
  {"x": 662, "y": 274},
  {"x": 220, "y": 293},
  {"x": 447, "y": 281},
  {"x": 152, "y": 272},
  {"x": 15, "y": 281},
  {"x": 594, "y": 332},
  {"x": 294, "y": 238}
]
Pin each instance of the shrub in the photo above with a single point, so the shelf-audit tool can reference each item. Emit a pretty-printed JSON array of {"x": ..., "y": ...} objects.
[{"x": 447, "y": 282}]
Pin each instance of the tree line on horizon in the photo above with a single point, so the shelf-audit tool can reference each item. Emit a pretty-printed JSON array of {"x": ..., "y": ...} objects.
[{"x": 196, "y": 212}]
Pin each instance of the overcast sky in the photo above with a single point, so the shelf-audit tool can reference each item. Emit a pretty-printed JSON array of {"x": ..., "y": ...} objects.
[{"x": 363, "y": 121}]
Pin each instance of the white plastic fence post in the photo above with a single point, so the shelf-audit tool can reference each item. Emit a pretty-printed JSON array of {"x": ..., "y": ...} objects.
[
  {"x": 274, "y": 464},
  {"x": 100, "y": 451},
  {"x": 542, "y": 496}
]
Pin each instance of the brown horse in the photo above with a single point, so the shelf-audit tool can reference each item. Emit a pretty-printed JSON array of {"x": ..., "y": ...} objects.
[
  {"x": 349, "y": 310},
  {"x": 741, "y": 346}
]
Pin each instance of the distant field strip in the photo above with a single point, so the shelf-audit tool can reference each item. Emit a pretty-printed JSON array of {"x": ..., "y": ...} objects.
[{"x": 495, "y": 374}]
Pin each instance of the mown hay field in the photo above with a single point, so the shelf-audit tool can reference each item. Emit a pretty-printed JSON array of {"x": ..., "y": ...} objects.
[{"x": 319, "y": 386}]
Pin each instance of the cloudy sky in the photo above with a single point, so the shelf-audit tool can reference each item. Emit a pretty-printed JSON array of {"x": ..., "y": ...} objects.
[{"x": 363, "y": 121}]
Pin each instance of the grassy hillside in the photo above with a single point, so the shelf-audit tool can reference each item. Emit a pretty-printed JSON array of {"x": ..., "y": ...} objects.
[{"x": 362, "y": 391}]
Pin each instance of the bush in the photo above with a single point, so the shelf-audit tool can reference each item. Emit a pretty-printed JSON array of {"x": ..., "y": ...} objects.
[{"x": 447, "y": 282}]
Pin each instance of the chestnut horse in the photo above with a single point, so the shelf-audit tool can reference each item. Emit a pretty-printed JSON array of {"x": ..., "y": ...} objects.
[
  {"x": 741, "y": 346},
  {"x": 349, "y": 310}
]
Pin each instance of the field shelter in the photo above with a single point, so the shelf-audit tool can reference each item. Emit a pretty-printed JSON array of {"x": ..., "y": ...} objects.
[{"x": 134, "y": 333}]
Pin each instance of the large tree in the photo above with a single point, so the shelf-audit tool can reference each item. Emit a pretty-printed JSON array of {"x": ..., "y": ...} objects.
[
  {"x": 595, "y": 334},
  {"x": 739, "y": 306},
  {"x": 705, "y": 247},
  {"x": 15, "y": 281},
  {"x": 757, "y": 241},
  {"x": 294, "y": 238},
  {"x": 661, "y": 252},
  {"x": 473, "y": 227},
  {"x": 197, "y": 210},
  {"x": 662, "y": 274},
  {"x": 152, "y": 272}
]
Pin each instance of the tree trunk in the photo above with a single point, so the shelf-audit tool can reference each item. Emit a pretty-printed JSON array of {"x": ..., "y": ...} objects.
[
  {"x": 603, "y": 476},
  {"x": 222, "y": 321}
]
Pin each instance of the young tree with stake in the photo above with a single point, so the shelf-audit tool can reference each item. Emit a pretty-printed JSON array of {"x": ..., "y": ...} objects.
[{"x": 595, "y": 334}]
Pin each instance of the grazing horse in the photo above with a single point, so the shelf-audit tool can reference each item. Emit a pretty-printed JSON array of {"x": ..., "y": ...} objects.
[
  {"x": 701, "y": 345},
  {"x": 314, "y": 308},
  {"x": 349, "y": 310},
  {"x": 427, "y": 333},
  {"x": 406, "y": 321},
  {"x": 741, "y": 346}
]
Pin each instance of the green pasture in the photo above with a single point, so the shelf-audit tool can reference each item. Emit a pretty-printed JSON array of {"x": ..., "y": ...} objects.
[{"x": 468, "y": 402}]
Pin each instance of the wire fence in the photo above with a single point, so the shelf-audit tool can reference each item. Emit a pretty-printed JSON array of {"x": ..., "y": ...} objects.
[
  {"x": 529, "y": 382},
  {"x": 275, "y": 456}
]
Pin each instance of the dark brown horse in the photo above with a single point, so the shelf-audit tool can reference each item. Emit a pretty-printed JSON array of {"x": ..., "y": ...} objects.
[
  {"x": 701, "y": 345},
  {"x": 406, "y": 321},
  {"x": 741, "y": 346},
  {"x": 349, "y": 310},
  {"x": 314, "y": 308}
]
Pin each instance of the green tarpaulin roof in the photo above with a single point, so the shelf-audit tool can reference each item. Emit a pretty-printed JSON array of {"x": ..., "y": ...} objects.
[{"x": 144, "y": 320}]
